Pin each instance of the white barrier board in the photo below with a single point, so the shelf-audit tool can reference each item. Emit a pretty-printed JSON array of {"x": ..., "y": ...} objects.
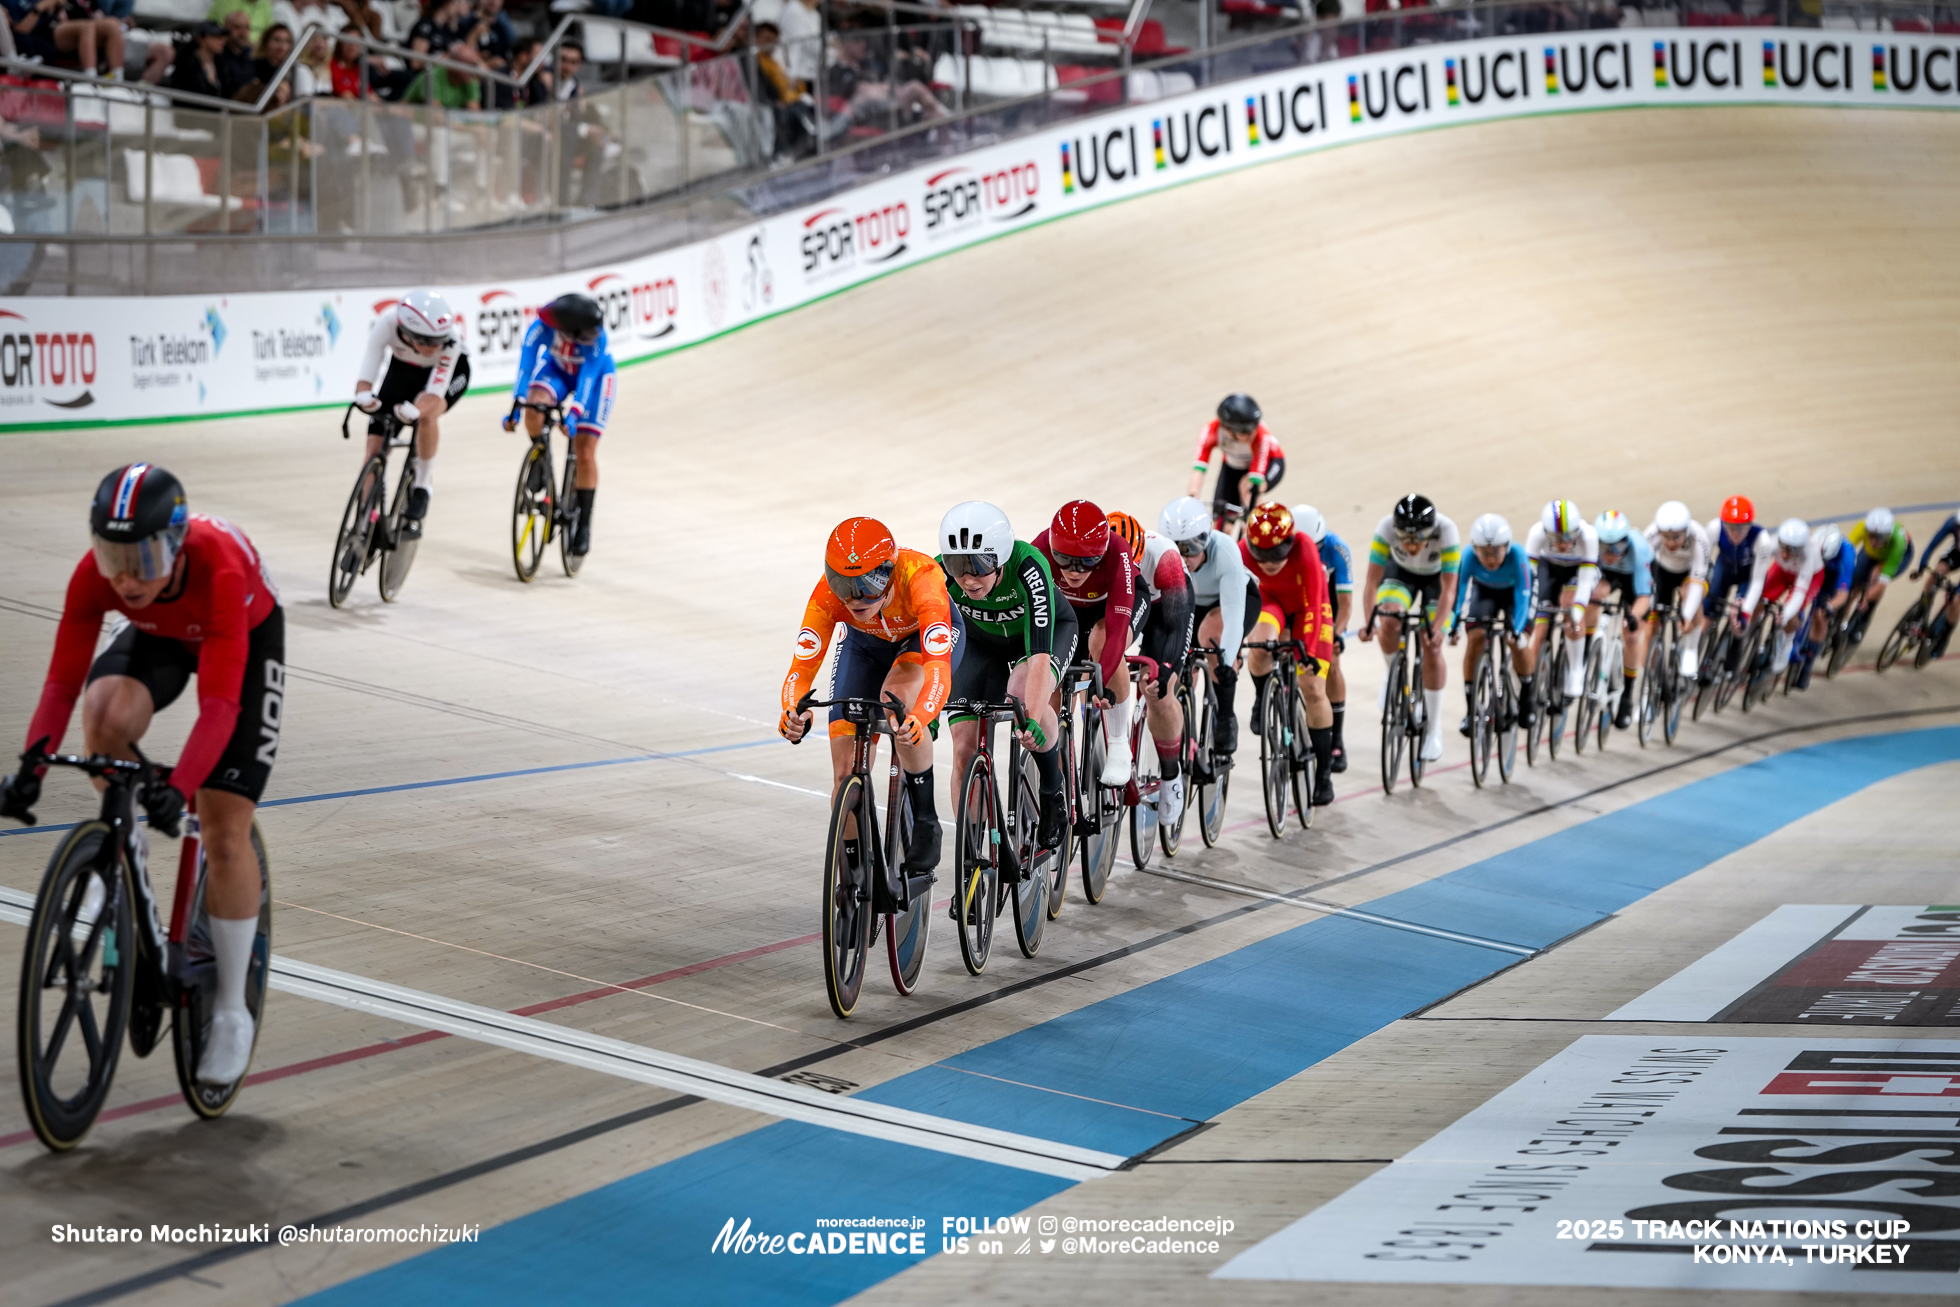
[{"x": 72, "y": 360}]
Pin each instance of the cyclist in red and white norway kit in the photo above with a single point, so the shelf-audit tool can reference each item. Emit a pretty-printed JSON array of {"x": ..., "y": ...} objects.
[
  {"x": 416, "y": 367},
  {"x": 1793, "y": 578}
]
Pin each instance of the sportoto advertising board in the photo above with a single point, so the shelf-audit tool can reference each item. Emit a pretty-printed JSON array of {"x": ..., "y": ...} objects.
[
  {"x": 1779, "y": 1164},
  {"x": 1822, "y": 965},
  {"x": 68, "y": 360}
]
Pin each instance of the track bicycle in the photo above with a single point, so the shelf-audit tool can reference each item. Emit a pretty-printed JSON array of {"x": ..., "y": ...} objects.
[
  {"x": 544, "y": 508},
  {"x": 1661, "y": 691},
  {"x": 998, "y": 858},
  {"x": 1095, "y": 809},
  {"x": 1405, "y": 713},
  {"x": 98, "y": 962},
  {"x": 1209, "y": 772},
  {"x": 1229, "y": 518},
  {"x": 863, "y": 876},
  {"x": 1285, "y": 750},
  {"x": 1714, "y": 674},
  {"x": 367, "y": 531},
  {"x": 1847, "y": 633},
  {"x": 1551, "y": 703},
  {"x": 1146, "y": 786},
  {"x": 1914, "y": 632},
  {"x": 1494, "y": 700},
  {"x": 1600, "y": 682},
  {"x": 1758, "y": 651}
]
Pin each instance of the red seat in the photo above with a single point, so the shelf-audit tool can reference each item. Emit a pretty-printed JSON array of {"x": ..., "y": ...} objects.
[{"x": 1109, "y": 91}]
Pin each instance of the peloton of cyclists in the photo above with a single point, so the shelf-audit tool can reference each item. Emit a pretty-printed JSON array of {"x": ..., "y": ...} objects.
[
  {"x": 903, "y": 636},
  {"x": 1293, "y": 604},
  {"x": 1251, "y": 462},
  {"x": 1339, "y": 563},
  {"x": 1563, "y": 549},
  {"x": 567, "y": 359},
  {"x": 1680, "y": 574},
  {"x": 1224, "y": 598},
  {"x": 1626, "y": 571},
  {"x": 1494, "y": 577},
  {"x": 1943, "y": 621},
  {"x": 1412, "y": 564},
  {"x": 199, "y": 603},
  {"x": 1166, "y": 639},
  {"x": 426, "y": 371},
  {"x": 1096, "y": 576},
  {"x": 1019, "y": 637}
]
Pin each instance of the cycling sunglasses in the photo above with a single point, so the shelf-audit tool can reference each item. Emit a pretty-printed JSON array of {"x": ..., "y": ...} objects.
[
  {"x": 1071, "y": 563},
  {"x": 1243, "y": 433},
  {"x": 419, "y": 341},
  {"x": 1276, "y": 554},
  {"x": 860, "y": 589},
  {"x": 1193, "y": 548},
  {"x": 958, "y": 565}
]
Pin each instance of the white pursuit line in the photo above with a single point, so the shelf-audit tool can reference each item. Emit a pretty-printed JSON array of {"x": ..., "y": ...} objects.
[
  {"x": 667, "y": 1070},
  {"x": 1336, "y": 910}
]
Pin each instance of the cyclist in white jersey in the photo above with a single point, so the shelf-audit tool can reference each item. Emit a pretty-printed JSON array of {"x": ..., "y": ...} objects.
[
  {"x": 1680, "y": 569},
  {"x": 415, "y": 365},
  {"x": 1412, "y": 561},
  {"x": 1563, "y": 550},
  {"x": 1224, "y": 596}
]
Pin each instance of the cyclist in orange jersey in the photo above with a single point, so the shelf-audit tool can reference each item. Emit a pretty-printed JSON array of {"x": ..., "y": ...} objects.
[{"x": 902, "y": 635}]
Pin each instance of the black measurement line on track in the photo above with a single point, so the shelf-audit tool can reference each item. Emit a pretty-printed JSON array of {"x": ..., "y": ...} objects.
[{"x": 1268, "y": 1161}]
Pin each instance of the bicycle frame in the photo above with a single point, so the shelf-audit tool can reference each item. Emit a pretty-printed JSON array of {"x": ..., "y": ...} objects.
[
  {"x": 889, "y": 892},
  {"x": 988, "y": 715}
]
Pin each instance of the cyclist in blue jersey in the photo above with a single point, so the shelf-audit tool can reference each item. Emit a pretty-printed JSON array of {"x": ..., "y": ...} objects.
[
  {"x": 1496, "y": 577},
  {"x": 1626, "y": 568},
  {"x": 1224, "y": 596},
  {"x": 567, "y": 359},
  {"x": 1339, "y": 563},
  {"x": 1942, "y": 624}
]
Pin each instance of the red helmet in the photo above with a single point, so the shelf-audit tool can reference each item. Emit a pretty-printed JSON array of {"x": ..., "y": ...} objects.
[
  {"x": 1738, "y": 511},
  {"x": 1080, "y": 532},
  {"x": 859, "y": 559},
  {"x": 1131, "y": 532},
  {"x": 1269, "y": 532}
]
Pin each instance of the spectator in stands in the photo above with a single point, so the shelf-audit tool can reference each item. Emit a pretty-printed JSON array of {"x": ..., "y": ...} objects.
[
  {"x": 238, "y": 54},
  {"x": 201, "y": 67},
  {"x": 311, "y": 75},
  {"x": 274, "y": 46},
  {"x": 344, "y": 71},
  {"x": 535, "y": 91},
  {"x": 448, "y": 87},
  {"x": 54, "y": 29},
  {"x": 878, "y": 96},
  {"x": 571, "y": 59},
  {"x": 492, "y": 35},
  {"x": 441, "y": 25},
  {"x": 794, "y": 111},
  {"x": 258, "y": 16}
]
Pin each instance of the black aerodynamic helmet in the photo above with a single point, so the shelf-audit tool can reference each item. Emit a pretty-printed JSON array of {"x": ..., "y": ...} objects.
[
  {"x": 1239, "y": 412},
  {"x": 138, "y": 522},
  {"x": 1415, "y": 515},
  {"x": 575, "y": 315}
]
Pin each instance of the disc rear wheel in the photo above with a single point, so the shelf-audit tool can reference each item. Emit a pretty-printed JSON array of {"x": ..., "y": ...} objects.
[{"x": 396, "y": 560}]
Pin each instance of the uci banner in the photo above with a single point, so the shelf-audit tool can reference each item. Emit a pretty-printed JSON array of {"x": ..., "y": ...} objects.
[{"x": 82, "y": 360}]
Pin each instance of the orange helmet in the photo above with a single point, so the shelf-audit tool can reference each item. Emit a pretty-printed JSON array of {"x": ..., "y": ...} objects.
[
  {"x": 858, "y": 560},
  {"x": 1131, "y": 531},
  {"x": 1738, "y": 511},
  {"x": 1269, "y": 532}
]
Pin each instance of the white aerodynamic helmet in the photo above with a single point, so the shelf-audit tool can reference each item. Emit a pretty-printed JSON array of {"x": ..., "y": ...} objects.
[
  {"x": 974, "y": 537},
  {"x": 1673, "y": 516},
  {"x": 1878, "y": 523},
  {"x": 1307, "y": 518},
  {"x": 1829, "y": 541},
  {"x": 1793, "y": 534},
  {"x": 1490, "y": 530},
  {"x": 424, "y": 319},
  {"x": 1184, "y": 519}
]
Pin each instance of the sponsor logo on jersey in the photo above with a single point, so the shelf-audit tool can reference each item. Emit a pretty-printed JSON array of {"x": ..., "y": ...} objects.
[
  {"x": 808, "y": 643},
  {"x": 937, "y": 640}
]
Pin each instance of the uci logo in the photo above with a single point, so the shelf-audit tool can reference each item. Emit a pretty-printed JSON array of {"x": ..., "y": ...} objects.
[
  {"x": 808, "y": 643},
  {"x": 937, "y": 641}
]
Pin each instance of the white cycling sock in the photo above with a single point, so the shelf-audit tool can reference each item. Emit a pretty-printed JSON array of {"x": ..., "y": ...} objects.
[
  {"x": 1432, "y": 707},
  {"x": 1781, "y": 658},
  {"x": 425, "y": 472},
  {"x": 1575, "y": 671},
  {"x": 1116, "y": 726},
  {"x": 1690, "y": 659},
  {"x": 232, "y": 941}
]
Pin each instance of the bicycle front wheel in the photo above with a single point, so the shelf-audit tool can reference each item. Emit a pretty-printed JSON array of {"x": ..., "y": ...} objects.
[
  {"x": 1557, "y": 705},
  {"x": 1023, "y": 834},
  {"x": 356, "y": 537},
  {"x": 1505, "y": 705},
  {"x": 533, "y": 511},
  {"x": 1904, "y": 636},
  {"x": 77, "y": 975},
  {"x": 1274, "y": 766},
  {"x": 846, "y": 902},
  {"x": 1653, "y": 699},
  {"x": 1714, "y": 652},
  {"x": 1395, "y": 724},
  {"x": 1102, "y": 811},
  {"x": 398, "y": 557},
  {"x": 1483, "y": 721},
  {"x": 1840, "y": 645},
  {"x": 976, "y": 868},
  {"x": 1170, "y": 834},
  {"x": 191, "y": 1026},
  {"x": 1592, "y": 694}
]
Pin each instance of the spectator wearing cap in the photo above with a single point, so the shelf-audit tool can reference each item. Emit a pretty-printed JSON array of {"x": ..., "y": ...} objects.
[{"x": 201, "y": 67}]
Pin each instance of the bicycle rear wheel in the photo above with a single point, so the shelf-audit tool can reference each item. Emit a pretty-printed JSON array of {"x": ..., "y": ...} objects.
[
  {"x": 77, "y": 976},
  {"x": 1557, "y": 706},
  {"x": 533, "y": 511},
  {"x": 976, "y": 852},
  {"x": 1210, "y": 800},
  {"x": 1708, "y": 679},
  {"x": 1024, "y": 837},
  {"x": 397, "y": 558},
  {"x": 356, "y": 537},
  {"x": 192, "y": 1022},
  {"x": 1057, "y": 862},
  {"x": 1395, "y": 726},
  {"x": 1904, "y": 636},
  {"x": 1149, "y": 782},
  {"x": 908, "y": 932},
  {"x": 1653, "y": 692},
  {"x": 1753, "y": 666},
  {"x": 1840, "y": 644},
  {"x": 1506, "y": 707},
  {"x": 1483, "y": 720},
  {"x": 846, "y": 902},
  {"x": 1591, "y": 695},
  {"x": 1170, "y": 834},
  {"x": 568, "y": 503}
]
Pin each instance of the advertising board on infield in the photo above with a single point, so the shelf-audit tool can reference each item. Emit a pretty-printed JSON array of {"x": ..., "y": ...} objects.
[{"x": 73, "y": 360}]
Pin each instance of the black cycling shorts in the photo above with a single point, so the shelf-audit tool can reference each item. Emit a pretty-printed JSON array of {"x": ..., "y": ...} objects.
[
  {"x": 864, "y": 661},
  {"x": 981, "y": 676},
  {"x": 1484, "y": 603},
  {"x": 1398, "y": 582},
  {"x": 165, "y": 667},
  {"x": 1666, "y": 585},
  {"x": 1549, "y": 581},
  {"x": 404, "y": 381},
  {"x": 1231, "y": 483},
  {"x": 1166, "y": 644}
]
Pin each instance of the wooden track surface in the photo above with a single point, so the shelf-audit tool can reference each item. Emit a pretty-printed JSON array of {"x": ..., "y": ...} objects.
[{"x": 1619, "y": 308}]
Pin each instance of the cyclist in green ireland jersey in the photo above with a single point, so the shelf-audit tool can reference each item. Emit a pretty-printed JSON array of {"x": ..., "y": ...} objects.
[{"x": 1018, "y": 638}]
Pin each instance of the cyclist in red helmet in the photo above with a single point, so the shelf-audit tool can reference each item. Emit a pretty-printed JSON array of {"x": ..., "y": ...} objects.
[
  {"x": 903, "y": 635},
  {"x": 1093, "y": 570},
  {"x": 1292, "y": 602}
]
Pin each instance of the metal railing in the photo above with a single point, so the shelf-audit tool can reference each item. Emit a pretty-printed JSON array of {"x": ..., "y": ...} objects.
[{"x": 672, "y": 158}]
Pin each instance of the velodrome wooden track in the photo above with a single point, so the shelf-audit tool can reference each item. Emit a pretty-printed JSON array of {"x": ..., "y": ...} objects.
[{"x": 1616, "y": 307}]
